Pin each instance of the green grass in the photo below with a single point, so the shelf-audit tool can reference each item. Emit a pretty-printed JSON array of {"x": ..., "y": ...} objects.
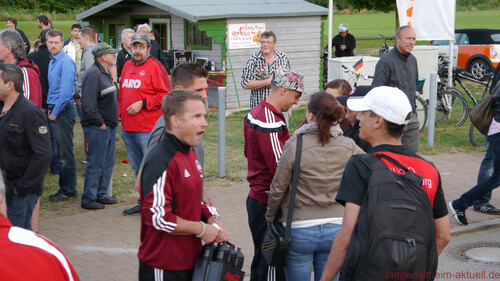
[
  {"x": 371, "y": 25},
  {"x": 448, "y": 139},
  {"x": 32, "y": 31}
]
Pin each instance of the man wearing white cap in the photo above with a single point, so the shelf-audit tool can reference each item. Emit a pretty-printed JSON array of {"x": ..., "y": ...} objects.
[{"x": 383, "y": 115}]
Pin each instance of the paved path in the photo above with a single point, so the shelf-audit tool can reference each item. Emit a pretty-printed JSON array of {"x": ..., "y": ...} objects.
[{"x": 102, "y": 245}]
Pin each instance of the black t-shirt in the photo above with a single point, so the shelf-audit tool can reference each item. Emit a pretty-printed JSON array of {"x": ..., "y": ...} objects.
[{"x": 357, "y": 174}]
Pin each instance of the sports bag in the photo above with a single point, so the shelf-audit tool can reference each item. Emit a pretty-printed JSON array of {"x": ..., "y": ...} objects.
[
  {"x": 395, "y": 233},
  {"x": 482, "y": 113},
  {"x": 277, "y": 238}
]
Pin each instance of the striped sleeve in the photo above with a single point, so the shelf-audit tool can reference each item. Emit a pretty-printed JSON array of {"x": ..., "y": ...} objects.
[
  {"x": 208, "y": 211},
  {"x": 269, "y": 140},
  {"x": 26, "y": 83},
  {"x": 160, "y": 209}
]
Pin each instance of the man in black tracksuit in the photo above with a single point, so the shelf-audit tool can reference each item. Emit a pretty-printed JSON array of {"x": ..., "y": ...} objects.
[{"x": 24, "y": 146}]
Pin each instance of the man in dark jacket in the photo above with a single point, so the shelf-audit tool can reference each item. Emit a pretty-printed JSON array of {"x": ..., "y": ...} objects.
[
  {"x": 344, "y": 42},
  {"x": 398, "y": 68},
  {"x": 125, "y": 53},
  {"x": 99, "y": 121},
  {"x": 25, "y": 150},
  {"x": 12, "y": 41},
  {"x": 12, "y": 24}
]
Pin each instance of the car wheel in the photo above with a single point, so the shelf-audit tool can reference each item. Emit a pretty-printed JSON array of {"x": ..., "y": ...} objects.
[{"x": 478, "y": 68}]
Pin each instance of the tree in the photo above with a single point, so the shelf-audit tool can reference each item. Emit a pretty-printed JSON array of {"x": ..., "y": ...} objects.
[{"x": 377, "y": 5}]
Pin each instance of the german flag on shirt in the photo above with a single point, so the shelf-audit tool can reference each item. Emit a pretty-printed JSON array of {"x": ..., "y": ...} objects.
[{"x": 359, "y": 66}]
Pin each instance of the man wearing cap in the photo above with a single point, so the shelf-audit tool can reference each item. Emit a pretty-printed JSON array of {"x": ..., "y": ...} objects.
[
  {"x": 99, "y": 121},
  {"x": 265, "y": 135},
  {"x": 398, "y": 68},
  {"x": 144, "y": 82},
  {"x": 383, "y": 114}
]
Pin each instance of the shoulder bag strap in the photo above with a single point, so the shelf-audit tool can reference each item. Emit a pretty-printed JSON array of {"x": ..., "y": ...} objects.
[{"x": 293, "y": 191}]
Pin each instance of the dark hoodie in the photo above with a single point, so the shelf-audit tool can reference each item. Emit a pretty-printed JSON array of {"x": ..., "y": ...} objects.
[{"x": 31, "y": 86}]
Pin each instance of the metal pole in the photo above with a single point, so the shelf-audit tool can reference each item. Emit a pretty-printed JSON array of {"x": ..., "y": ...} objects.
[
  {"x": 451, "y": 65},
  {"x": 222, "y": 131},
  {"x": 432, "y": 108},
  {"x": 330, "y": 23}
]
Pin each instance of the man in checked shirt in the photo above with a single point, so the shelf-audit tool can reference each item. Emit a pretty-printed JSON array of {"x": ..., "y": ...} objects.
[{"x": 261, "y": 66}]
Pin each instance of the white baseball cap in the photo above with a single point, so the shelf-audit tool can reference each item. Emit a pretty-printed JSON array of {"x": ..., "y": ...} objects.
[{"x": 388, "y": 102}]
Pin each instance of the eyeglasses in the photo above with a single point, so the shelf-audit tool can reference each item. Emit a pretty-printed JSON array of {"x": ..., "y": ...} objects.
[{"x": 266, "y": 42}]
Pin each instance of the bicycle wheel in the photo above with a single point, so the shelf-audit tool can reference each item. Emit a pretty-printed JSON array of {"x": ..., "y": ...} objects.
[
  {"x": 451, "y": 108},
  {"x": 422, "y": 110},
  {"x": 476, "y": 138}
]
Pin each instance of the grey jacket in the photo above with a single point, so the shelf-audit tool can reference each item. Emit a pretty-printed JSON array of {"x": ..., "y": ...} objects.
[
  {"x": 397, "y": 70},
  {"x": 321, "y": 170},
  {"x": 87, "y": 61}
]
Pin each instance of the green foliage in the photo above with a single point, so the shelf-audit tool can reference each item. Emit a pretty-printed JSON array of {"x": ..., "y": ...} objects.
[
  {"x": 53, "y": 6},
  {"x": 389, "y": 6},
  {"x": 481, "y": 5}
]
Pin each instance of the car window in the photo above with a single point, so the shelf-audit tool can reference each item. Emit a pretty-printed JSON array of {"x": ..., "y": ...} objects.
[
  {"x": 440, "y": 42},
  {"x": 463, "y": 39},
  {"x": 496, "y": 37}
]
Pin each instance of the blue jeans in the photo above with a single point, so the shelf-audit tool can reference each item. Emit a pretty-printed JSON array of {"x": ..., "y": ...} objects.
[
  {"x": 485, "y": 171},
  {"x": 309, "y": 247},
  {"x": 63, "y": 132},
  {"x": 135, "y": 142},
  {"x": 20, "y": 209},
  {"x": 486, "y": 186},
  {"x": 100, "y": 162},
  {"x": 55, "y": 166}
]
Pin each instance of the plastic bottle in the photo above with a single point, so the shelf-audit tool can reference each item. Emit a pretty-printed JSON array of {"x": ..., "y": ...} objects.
[
  {"x": 221, "y": 253},
  {"x": 232, "y": 255},
  {"x": 208, "y": 251},
  {"x": 239, "y": 259},
  {"x": 212, "y": 67}
]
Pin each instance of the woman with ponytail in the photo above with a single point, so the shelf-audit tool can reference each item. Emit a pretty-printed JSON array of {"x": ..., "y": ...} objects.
[{"x": 316, "y": 216}]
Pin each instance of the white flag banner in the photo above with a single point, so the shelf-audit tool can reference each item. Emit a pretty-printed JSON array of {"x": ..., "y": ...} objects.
[{"x": 431, "y": 19}]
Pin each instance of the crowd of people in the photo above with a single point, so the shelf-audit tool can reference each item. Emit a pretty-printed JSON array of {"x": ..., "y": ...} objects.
[{"x": 162, "y": 114}]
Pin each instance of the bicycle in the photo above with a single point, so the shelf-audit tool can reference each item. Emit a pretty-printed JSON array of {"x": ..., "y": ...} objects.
[
  {"x": 354, "y": 76},
  {"x": 385, "y": 48},
  {"x": 459, "y": 74},
  {"x": 421, "y": 105}
]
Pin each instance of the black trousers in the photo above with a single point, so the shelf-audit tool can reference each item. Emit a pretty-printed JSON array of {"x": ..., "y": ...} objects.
[
  {"x": 149, "y": 273},
  {"x": 260, "y": 271}
]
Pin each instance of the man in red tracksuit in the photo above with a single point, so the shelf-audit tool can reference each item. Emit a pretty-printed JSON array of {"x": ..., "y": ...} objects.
[
  {"x": 25, "y": 255},
  {"x": 265, "y": 135},
  {"x": 12, "y": 51},
  {"x": 174, "y": 220}
]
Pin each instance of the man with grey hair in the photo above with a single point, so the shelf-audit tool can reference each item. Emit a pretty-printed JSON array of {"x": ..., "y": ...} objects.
[
  {"x": 125, "y": 54},
  {"x": 13, "y": 52},
  {"x": 62, "y": 113},
  {"x": 28, "y": 255},
  {"x": 25, "y": 152},
  {"x": 156, "y": 51},
  {"x": 398, "y": 68}
]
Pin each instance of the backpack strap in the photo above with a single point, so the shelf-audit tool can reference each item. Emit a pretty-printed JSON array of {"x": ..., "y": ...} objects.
[
  {"x": 293, "y": 191},
  {"x": 373, "y": 161}
]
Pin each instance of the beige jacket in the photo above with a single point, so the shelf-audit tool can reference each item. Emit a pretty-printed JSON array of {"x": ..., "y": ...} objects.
[{"x": 321, "y": 170}]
